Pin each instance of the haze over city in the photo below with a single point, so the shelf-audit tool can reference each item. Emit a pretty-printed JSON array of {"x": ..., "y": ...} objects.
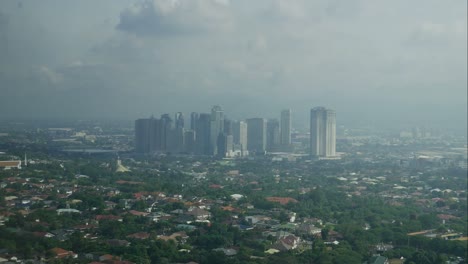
[
  {"x": 233, "y": 131},
  {"x": 388, "y": 63}
]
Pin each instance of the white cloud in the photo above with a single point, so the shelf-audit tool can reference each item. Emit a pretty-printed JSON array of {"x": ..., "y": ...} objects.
[
  {"x": 281, "y": 51},
  {"x": 172, "y": 17},
  {"x": 50, "y": 76}
]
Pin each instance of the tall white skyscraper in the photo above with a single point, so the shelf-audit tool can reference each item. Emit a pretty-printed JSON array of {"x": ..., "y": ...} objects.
[
  {"x": 239, "y": 130},
  {"x": 285, "y": 128},
  {"x": 322, "y": 132}
]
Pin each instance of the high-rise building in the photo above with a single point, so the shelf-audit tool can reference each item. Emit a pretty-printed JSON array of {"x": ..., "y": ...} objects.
[
  {"x": 142, "y": 135},
  {"x": 225, "y": 146},
  {"x": 256, "y": 135},
  {"x": 228, "y": 127},
  {"x": 166, "y": 136},
  {"x": 189, "y": 142},
  {"x": 202, "y": 134},
  {"x": 216, "y": 127},
  {"x": 147, "y": 136},
  {"x": 179, "y": 120},
  {"x": 273, "y": 135},
  {"x": 239, "y": 132},
  {"x": 322, "y": 132},
  {"x": 179, "y": 136},
  {"x": 193, "y": 120},
  {"x": 285, "y": 128}
]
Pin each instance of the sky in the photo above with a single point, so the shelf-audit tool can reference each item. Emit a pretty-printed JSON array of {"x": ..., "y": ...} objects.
[{"x": 377, "y": 62}]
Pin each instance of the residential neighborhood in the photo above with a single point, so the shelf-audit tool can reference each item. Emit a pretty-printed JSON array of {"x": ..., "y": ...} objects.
[{"x": 371, "y": 206}]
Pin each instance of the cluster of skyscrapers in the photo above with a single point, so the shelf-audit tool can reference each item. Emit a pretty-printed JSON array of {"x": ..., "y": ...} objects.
[{"x": 213, "y": 134}]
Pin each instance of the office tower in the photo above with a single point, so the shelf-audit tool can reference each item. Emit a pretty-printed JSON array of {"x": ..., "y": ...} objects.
[
  {"x": 142, "y": 135},
  {"x": 202, "y": 134},
  {"x": 178, "y": 143},
  {"x": 189, "y": 143},
  {"x": 273, "y": 135},
  {"x": 228, "y": 127},
  {"x": 147, "y": 135},
  {"x": 179, "y": 133},
  {"x": 216, "y": 127},
  {"x": 225, "y": 145},
  {"x": 322, "y": 132},
  {"x": 285, "y": 128},
  {"x": 239, "y": 133},
  {"x": 256, "y": 135},
  {"x": 179, "y": 120},
  {"x": 166, "y": 133},
  {"x": 193, "y": 120}
]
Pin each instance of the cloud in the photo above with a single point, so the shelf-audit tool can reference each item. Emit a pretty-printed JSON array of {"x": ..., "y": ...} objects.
[
  {"x": 173, "y": 17},
  {"x": 243, "y": 54},
  {"x": 49, "y": 76},
  {"x": 443, "y": 34},
  {"x": 3, "y": 33}
]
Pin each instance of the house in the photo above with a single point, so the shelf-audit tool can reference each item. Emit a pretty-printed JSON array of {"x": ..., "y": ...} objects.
[
  {"x": 177, "y": 236},
  {"x": 110, "y": 204},
  {"x": 287, "y": 243},
  {"x": 140, "y": 235},
  {"x": 84, "y": 227},
  {"x": 281, "y": 200},
  {"x": 10, "y": 164},
  {"x": 67, "y": 211},
  {"x": 61, "y": 234},
  {"x": 381, "y": 247},
  {"x": 107, "y": 257},
  {"x": 253, "y": 219},
  {"x": 137, "y": 213},
  {"x": 62, "y": 253},
  {"x": 109, "y": 217},
  {"x": 308, "y": 229},
  {"x": 117, "y": 243},
  {"x": 198, "y": 213}
]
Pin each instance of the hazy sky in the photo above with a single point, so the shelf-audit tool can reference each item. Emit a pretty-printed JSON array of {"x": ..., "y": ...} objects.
[{"x": 374, "y": 61}]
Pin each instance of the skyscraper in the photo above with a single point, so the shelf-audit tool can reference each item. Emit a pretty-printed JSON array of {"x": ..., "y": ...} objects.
[
  {"x": 179, "y": 139},
  {"x": 322, "y": 132},
  {"x": 285, "y": 128},
  {"x": 166, "y": 136},
  {"x": 179, "y": 120},
  {"x": 189, "y": 141},
  {"x": 239, "y": 132},
  {"x": 256, "y": 135},
  {"x": 142, "y": 135},
  {"x": 147, "y": 136},
  {"x": 202, "y": 135},
  {"x": 216, "y": 127},
  {"x": 228, "y": 126},
  {"x": 225, "y": 145},
  {"x": 193, "y": 120},
  {"x": 273, "y": 135}
]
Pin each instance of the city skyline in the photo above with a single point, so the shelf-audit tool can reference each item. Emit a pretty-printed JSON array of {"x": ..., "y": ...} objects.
[
  {"x": 376, "y": 63},
  {"x": 216, "y": 135}
]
